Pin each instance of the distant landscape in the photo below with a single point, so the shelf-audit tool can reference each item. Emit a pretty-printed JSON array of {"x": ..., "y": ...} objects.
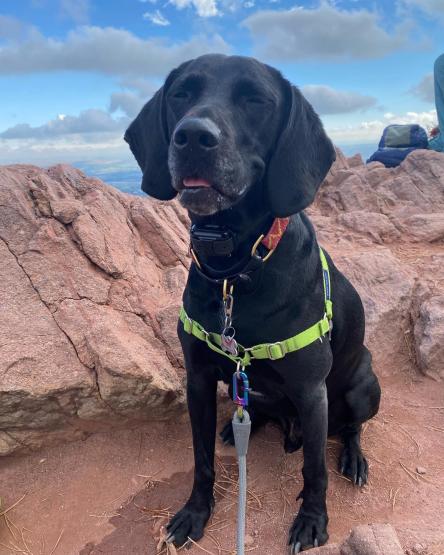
[{"x": 128, "y": 179}]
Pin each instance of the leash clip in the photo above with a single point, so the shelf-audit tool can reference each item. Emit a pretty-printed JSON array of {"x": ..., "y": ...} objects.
[{"x": 241, "y": 387}]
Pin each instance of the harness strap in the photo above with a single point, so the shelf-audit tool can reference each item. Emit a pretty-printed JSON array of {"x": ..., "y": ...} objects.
[
  {"x": 327, "y": 286},
  {"x": 270, "y": 351}
]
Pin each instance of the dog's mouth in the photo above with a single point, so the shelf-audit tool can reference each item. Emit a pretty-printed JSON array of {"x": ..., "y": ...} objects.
[
  {"x": 197, "y": 186},
  {"x": 200, "y": 195},
  {"x": 196, "y": 183}
]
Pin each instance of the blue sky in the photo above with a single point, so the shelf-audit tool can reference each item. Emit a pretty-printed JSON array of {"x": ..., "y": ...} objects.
[{"x": 73, "y": 73}]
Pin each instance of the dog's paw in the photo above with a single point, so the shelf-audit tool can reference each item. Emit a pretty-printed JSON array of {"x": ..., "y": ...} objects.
[
  {"x": 226, "y": 434},
  {"x": 353, "y": 465},
  {"x": 189, "y": 522},
  {"x": 307, "y": 531}
]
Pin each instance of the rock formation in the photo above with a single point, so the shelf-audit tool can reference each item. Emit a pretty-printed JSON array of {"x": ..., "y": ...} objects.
[
  {"x": 91, "y": 285},
  {"x": 91, "y": 282},
  {"x": 374, "y": 539}
]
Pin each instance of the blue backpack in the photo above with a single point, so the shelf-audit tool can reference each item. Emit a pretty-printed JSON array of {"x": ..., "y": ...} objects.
[{"x": 397, "y": 142}]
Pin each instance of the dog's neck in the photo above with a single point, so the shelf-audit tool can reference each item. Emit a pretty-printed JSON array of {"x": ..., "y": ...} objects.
[{"x": 246, "y": 221}]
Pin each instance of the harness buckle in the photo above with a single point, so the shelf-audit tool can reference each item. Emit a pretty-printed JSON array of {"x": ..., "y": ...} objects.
[
  {"x": 330, "y": 326},
  {"x": 276, "y": 351}
]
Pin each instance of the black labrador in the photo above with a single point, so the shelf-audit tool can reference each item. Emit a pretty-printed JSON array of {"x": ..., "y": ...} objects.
[{"x": 241, "y": 146}]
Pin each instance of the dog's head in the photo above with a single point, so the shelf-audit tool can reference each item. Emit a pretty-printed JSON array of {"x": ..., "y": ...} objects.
[{"x": 221, "y": 125}]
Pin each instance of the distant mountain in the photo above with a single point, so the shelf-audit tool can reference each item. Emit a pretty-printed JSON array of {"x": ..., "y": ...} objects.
[
  {"x": 365, "y": 150},
  {"x": 126, "y": 179}
]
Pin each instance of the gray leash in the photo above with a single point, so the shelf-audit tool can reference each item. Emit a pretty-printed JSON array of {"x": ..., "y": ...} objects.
[{"x": 241, "y": 431}]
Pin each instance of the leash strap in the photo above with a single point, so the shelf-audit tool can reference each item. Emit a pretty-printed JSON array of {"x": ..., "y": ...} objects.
[
  {"x": 241, "y": 432},
  {"x": 270, "y": 351}
]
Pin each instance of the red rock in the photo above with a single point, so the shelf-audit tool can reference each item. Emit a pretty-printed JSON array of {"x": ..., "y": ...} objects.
[
  {"x": 92, "y": 281},
  {"x": 373, "y": 539},
  {"x": 385, "y": 288},
  {"x": 429, "y": 337},
  {"x": 88, "y": 294},
  {"x": 355, "y": 160}
]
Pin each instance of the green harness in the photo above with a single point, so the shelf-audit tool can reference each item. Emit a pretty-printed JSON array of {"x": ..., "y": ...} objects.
[{"x": 270, "y": 351}]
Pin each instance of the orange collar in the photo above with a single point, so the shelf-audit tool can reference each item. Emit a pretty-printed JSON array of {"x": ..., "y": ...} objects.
[{"x": 275, "y": 233}]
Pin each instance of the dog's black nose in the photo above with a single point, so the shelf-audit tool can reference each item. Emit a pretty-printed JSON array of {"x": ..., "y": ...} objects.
[{"x": 200, "y": 133}]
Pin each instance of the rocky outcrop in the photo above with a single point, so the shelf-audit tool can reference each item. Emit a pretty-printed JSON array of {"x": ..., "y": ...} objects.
[
  {"x": 90, "y": 280},
  {"x": 385, "y": 230},
  {"x": 429, "y": 337},
  {"x": 373, "y": 539}
]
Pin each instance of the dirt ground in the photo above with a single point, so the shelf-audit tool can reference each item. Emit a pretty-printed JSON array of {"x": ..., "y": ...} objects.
[{"x": 112, "y": 493}]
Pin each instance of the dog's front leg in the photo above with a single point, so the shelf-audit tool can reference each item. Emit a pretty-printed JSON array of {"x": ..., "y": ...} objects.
[
  {"x": 190, "y": 521},
  {"x": 310, "y": 525}
]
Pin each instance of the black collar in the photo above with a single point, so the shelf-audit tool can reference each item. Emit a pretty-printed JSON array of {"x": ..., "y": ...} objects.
[{"x": 212, "y": 240}]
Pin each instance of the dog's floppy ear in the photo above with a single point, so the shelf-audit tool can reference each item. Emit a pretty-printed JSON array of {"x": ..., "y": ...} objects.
[
  {"x": 148, "y": 139},
  {"x": 301, "y": 159}
]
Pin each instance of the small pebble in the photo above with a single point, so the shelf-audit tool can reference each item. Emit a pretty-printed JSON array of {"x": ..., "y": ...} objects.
[
  {"x": 249, "y": 540},
  {"x": 421, "y": 470}
]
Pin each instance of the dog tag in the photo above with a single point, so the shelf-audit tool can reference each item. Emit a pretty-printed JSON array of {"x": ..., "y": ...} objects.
[{"x": 229, "y": 344}]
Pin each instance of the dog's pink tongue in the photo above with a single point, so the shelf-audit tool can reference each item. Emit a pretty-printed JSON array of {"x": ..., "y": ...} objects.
[{"x": 189, "y": 182}]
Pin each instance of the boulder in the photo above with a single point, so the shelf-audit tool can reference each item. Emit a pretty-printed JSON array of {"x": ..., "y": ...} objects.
[
  {"x": 427, "y": 228},
  {"x": 410, "y": 196},
  {"x": 384, "y": 228},
  {"x": 91, "y": 283},
  {"x": 372, "y": 539},
  {"x": 374, "y": 226},
  {"x": 429, "y": 337},
  {"x": 385, "y": 288}
]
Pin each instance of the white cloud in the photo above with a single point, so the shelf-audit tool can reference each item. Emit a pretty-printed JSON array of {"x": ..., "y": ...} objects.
[
  {"x": 204, "y": 8},
  {"x": 128, "y": 102},
  {"x": 144, "y": 87},
  {"x": 91, "y": 135},
  {"x": 229, "y": 5},
  {"x": 66, "y": 149},
  {"x": 88, "y": 121},
  {"x": 131, "y": 101},
  {"x": 77, "y": 10},
  {"x": 157, "y": 18},
  {"x": 106, "y": 50},
  {"x": 432, "y": 7},
  {"x": 326, "y": 100},
  {"x": 371, "y": 131},
  {"x": 324, "y": 33},
  {"x": 424, "y": 89},
  {"x": 10, "y": 27}
]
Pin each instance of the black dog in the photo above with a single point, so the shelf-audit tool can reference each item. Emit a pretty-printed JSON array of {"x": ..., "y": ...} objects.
[{"x": 241, "y": 146}]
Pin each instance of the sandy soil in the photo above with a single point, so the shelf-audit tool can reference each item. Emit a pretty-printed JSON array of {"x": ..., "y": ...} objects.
[{"x": 112, "y": 493}]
